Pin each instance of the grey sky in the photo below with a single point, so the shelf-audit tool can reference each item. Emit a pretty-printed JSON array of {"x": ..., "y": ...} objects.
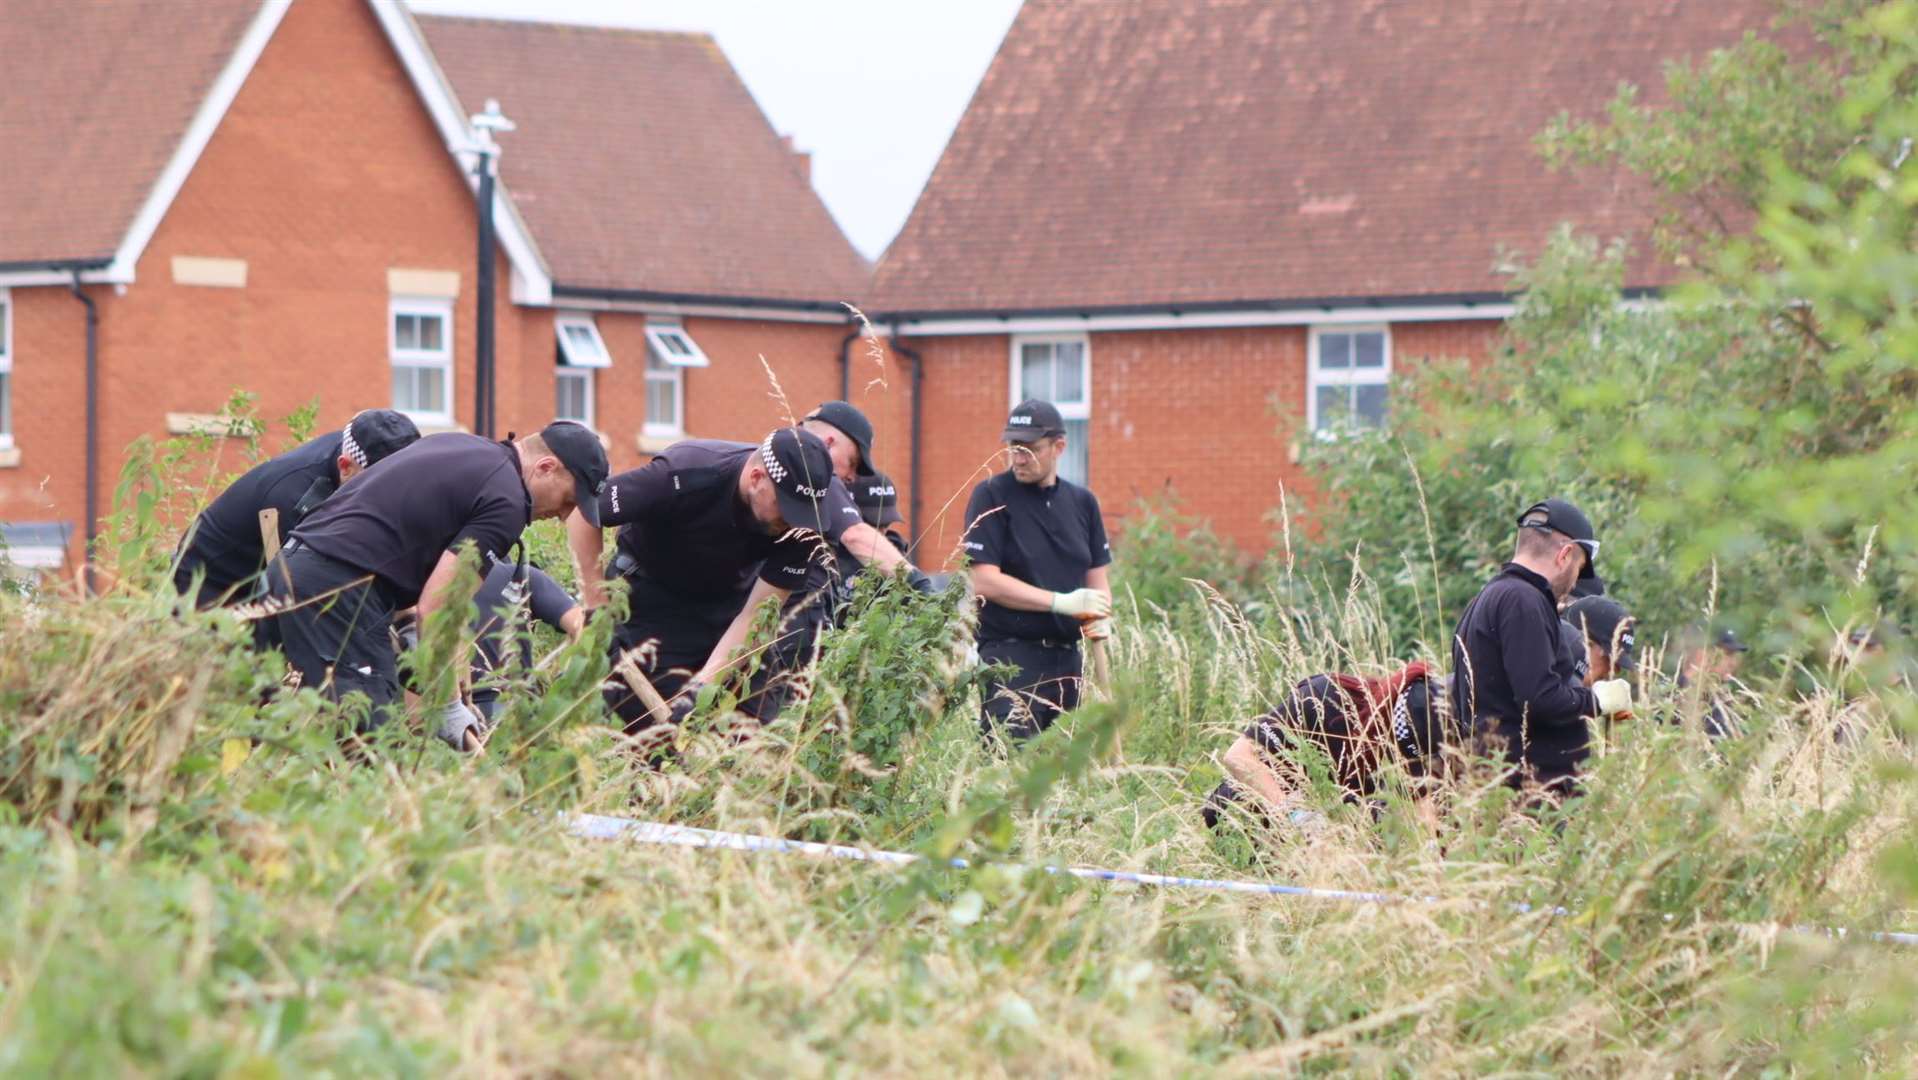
[{"x": 872, "y": 87}]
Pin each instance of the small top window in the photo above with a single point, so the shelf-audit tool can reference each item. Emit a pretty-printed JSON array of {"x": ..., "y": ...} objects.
[
  {"x": 579, "y": 342},
  {"x": 673, "y": 345}
]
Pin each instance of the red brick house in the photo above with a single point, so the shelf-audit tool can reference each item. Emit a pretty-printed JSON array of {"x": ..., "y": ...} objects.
[
  {"x": 277, "y": 197},
  {"x": 1195, "y": 224}
]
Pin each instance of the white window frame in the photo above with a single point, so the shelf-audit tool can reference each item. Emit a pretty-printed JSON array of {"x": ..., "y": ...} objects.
[
  {"x": 584, "y": 376},
  {"x": 1068, "y": 410},
  {"x": 6, "y": 365},
  {"x": 441, "y": 358},
  {"x": 1350, "y": 376},
  {"x": 594, "y": 355},
  {"x": 673, "y": 375},
  {"x": 1080, "y": 410},
  {"x": 658, "y": 331}
]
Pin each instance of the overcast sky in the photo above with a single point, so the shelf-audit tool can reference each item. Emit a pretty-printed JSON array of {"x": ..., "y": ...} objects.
[{"x": 872, "y": 87}]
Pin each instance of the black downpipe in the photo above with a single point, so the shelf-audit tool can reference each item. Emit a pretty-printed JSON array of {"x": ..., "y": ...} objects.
[
  {"x": 93, "y": 423},
  {"x": 918, "y": 417},
  {"x": 845, "y": 365},
  {"x": 484, "y": 391}
]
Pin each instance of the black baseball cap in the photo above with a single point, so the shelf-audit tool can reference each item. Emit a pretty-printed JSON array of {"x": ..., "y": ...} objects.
[
  {"x": 1605, "y": 621},
  {"x": 1728, "y": 640},
  {"x": 877, "y": 499},
  {"x": 1588, "y": 586},
  {"x": 1562, "y": 517},
  {"x": 801, "y": 471},
  {"x": 1571, "y": 649},
  {"x": 846, "y": 416},
  {"x": 379, "y": 433},
  {"x": 579, "y": 449},
  {"x": 1032, "y": 420}
]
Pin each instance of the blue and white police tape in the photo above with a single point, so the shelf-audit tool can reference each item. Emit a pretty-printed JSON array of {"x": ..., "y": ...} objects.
[{"x": 603, "y": 827}]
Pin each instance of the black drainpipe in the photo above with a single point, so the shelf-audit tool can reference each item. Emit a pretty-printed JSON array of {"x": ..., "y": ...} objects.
[
  {"x": 93, "y": 423},
  {"x": 918, "y": 414},
  {"x": 845, "y": 365}
]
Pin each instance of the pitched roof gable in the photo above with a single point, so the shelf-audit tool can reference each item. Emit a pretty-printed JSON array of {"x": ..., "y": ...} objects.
[
  {"x": 98, "y": 101},
  {"x": 644, "y": 167},
  {"x": 1131, "y": 153}
]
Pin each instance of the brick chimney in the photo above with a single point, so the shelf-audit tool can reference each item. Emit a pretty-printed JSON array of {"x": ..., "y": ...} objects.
[{"x": 802, "y": 158}]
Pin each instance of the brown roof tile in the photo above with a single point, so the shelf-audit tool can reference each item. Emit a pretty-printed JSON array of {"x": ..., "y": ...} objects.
[
  {"x": 94, "y": 99},
  {"x": 641, "y": 163},
  {"x": 1144, "y": 152}
]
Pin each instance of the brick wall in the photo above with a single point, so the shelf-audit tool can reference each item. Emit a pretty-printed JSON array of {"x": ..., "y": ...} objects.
[
  {"x": 322, "y": 177},
  {"x": 1206, "y": 416}
]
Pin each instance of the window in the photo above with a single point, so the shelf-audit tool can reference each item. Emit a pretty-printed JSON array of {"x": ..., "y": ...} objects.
[
  {"x": 665, "y": 397},
  {"x": 422, "y": 351},
  {"x": 581, "y": 350},
  {"x": 579, "y": 342},
  {"x": 574, "y": 398},
  {"x": 1056, "y": 369},
  {"x": 6, "y": 370},
  {"x": 1351, "y": 368},
  {"x": 673, "y": 345}
]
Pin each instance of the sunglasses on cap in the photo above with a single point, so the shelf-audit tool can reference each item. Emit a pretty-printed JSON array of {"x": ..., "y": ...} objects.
[{"x": 1590, "y": 546}]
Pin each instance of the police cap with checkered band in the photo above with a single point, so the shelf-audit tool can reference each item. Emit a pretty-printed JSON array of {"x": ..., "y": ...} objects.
[{"x": 800, "y": 469}]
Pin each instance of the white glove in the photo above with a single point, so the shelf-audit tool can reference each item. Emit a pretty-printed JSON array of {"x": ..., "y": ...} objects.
[
  {"x": 1098, "y": 629},
  {"x": 1614, "y": 696},
  {"x": 457, "y": 720},
  {"x": 1082, "y": 604}
]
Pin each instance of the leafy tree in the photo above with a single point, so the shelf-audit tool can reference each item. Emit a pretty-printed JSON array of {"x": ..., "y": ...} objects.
[{"x": 1746, "y": 444}]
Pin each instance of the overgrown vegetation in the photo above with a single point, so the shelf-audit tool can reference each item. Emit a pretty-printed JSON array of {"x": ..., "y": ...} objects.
[
  {"x": 197, "y": 879},
  {"x": 1746, "y": 444}
]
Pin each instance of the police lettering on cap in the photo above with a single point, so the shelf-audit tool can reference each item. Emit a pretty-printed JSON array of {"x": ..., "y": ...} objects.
[
  {"x": 1559, "y": 516},
  {"x": 374, "y": 434},
  {"x": 847, "y": 418},
  {"x": 1032, "y": 420},
  {"x": 878, "y": 500},
  {"x": 797, "y": 463},
  {"x": 581, "y": 452},
  {"x": 1605, "y": 622}
]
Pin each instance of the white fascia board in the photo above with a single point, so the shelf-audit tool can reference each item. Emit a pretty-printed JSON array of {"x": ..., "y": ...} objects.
[
  {"x": 708, "y": 311},
  {"x": 198, "y": 133},
  {"x": 59, "y": 279},
  {"x": 1203, "y": 320},
  {"x": 532, "y": 281}
]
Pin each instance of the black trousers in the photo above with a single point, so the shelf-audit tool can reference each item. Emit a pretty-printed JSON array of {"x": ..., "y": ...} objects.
[
  {"x": 800, "y": 621},
  {"x": 682, "y": 634},
  {"x": 336, "y": 633},
  {"x": 1047, "y": 683}
]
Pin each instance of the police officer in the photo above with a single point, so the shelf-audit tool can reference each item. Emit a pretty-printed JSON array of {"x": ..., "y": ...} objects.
[
  {"x": 827, "y": 602},
  {"x": 1039, "y": 556},
  {"x": 224, "y": 549},
  {"x": 390, "y": 540},
  {"x": 1711, "y": 662},
  {"x": 708, "y": 530},
  {"x": 510, "y": 598},
  {"x": 1609, "y": 635},
  {"x": 1512, "y": 676}
]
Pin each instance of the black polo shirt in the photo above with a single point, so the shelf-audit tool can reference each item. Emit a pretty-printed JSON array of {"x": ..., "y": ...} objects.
[
  {"x": 685, "y": 531},
  {"x": 397, "y": 518},
  {"x": 224, "y": 541},
  {"x": 1514, "y": 676},
  {"x": 1048, "y": 537}
]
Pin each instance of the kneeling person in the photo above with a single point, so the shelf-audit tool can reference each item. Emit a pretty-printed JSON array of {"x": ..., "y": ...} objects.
[
  {"x": 1364, "y": 726},
  {"x": 390, "y": 541},
  {"x": 225, "y": 549},
  {"x": 508, "y": 597},
  {"x": 1039, "y": 557}
]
